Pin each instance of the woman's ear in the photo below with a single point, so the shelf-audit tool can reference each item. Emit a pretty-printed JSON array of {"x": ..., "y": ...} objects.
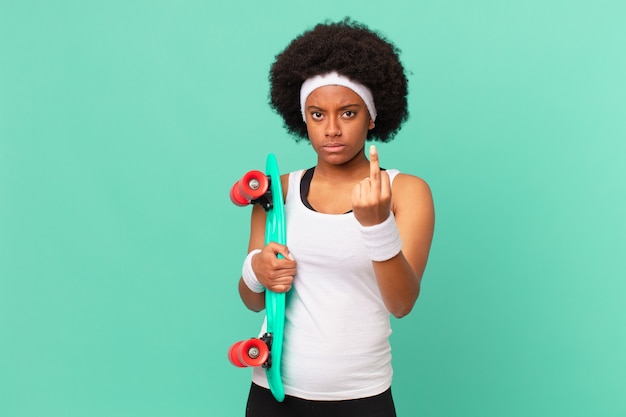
[{"x": 372, "y": 125}]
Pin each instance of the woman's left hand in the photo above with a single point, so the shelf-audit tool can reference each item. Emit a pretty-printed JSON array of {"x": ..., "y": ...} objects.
[{"x": 371, "y": 198}]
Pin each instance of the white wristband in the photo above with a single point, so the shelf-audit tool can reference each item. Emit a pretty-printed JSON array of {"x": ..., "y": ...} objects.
[
  {"x": 248, "y": 275},
  {"x": 382, "y": 241}
]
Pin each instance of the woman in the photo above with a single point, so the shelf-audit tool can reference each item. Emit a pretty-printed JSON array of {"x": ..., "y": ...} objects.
[{"x": 358, "y": 236}]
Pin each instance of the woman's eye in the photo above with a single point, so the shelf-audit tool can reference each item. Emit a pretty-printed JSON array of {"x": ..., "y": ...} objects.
[
  {"x": 349, "y": 113},
  {"x": 316, "y": 115}
]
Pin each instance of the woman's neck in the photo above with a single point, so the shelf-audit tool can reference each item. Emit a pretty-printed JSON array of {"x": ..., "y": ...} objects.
[{"x": 351, "y": 171}]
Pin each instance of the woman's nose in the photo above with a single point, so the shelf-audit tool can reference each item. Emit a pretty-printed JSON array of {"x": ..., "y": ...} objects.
[{"x": 332, "y": 128}]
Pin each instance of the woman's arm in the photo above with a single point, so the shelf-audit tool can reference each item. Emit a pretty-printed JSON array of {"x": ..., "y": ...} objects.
[{"x": 398, "y": 277}]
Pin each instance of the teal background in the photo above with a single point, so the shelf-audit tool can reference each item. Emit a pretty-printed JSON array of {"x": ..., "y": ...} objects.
[{"x": 123, "y": 125}]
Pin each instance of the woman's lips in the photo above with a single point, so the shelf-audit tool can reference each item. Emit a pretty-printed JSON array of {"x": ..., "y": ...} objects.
[{"x": 334, "y": 147}]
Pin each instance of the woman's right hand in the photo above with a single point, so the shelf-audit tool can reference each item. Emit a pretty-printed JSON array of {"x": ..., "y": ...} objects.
[{"x": 276, "y": 274}]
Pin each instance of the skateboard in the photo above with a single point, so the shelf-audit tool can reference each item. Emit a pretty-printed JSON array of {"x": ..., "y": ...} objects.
[{"x": 256, "y": 187}]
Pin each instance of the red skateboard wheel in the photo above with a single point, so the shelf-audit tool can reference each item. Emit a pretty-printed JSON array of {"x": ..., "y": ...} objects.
[
  {"x": 253, "y": 185},
  {"x": 251, "y": 352},
  {"x": 236, "y": 197},
  {"x": 233, "y": 355}
]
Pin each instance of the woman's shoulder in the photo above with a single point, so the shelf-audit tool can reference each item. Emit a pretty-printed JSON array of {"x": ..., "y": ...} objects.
[
  {"x": 285, "y": 178},
  {"x": 409, "y": 189},
  {"x": 403, "y": 180}
]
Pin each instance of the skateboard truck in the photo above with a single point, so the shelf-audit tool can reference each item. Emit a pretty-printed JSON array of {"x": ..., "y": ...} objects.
[
  {"x": 265, "y": 200},
  {"x": 268, "y": 338}
]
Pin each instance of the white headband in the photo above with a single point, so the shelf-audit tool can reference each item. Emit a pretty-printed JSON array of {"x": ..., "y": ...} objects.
[{"x": 333, "y": 78}]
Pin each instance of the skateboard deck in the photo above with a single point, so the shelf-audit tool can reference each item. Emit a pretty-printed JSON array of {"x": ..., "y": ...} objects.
[{"x": 265, "y": 189}]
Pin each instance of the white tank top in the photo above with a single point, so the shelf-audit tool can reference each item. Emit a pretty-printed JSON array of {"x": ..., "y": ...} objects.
[{"x": 337, "y": 327}]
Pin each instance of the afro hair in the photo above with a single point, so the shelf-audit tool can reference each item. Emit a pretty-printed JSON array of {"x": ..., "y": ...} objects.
[{"x": 353, "y": 50}]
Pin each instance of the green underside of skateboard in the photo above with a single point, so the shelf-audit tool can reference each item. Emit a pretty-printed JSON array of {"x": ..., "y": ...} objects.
[{"x": 275, "y": 231}]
